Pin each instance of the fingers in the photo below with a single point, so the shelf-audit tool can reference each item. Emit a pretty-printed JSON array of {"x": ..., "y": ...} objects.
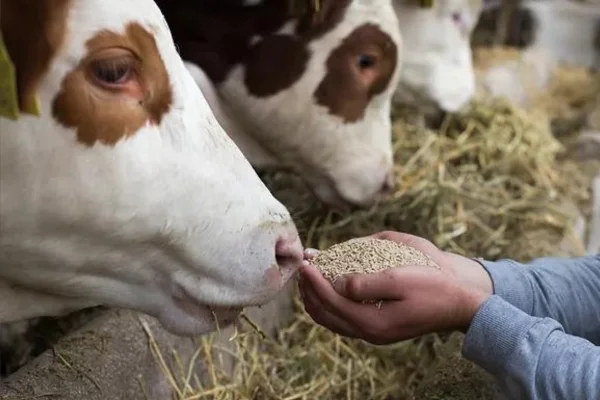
[
  {"x": 321, "y": 316},
  {"x": 394, "y": 321},
  {"x": 369, "y": 287},
  {"x": 309, "y": 253},
  {"x": 375, "y": 329},
  {"x": 391, "y": 284},
  {"x": 356, "y": 314}
]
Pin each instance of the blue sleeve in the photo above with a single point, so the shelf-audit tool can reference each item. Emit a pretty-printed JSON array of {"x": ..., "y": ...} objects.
[
  {"x": 532, "y": 357},
  {"x": 538, "y": 334},
  {"x": 566, "y": 290}
]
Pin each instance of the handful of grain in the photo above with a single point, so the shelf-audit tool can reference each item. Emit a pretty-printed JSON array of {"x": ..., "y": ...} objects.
[{"x": 368, "y": 256}]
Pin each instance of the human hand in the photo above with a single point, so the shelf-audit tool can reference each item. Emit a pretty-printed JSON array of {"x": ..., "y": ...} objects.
[{"x": 417, "y": 300}]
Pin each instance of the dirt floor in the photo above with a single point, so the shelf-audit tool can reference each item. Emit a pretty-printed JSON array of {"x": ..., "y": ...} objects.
[
  {"x": 454, "y": 378},
  {"x": 114, "y": 357}
]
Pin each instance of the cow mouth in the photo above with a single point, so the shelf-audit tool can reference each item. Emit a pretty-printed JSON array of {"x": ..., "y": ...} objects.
[
  {"x": 221, "y": 316},
  {"x": 225, "y": 316}
]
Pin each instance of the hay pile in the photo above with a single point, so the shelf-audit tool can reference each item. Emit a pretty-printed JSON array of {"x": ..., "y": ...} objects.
[
  {"x": 568, "y": 99},
  {"x": 305, "y": 361},
  {"x": 489, "y": 183},
  {"x": 571, "y": 93},
  {"x": 490, "y": 174},
  {"x": 367, "y": 256}
]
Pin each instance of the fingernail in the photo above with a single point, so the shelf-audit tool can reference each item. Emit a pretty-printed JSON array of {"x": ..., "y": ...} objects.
[{"x": 311, "y": 253}]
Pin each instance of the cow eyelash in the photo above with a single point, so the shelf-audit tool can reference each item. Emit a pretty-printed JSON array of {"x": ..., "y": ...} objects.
[{"x": 114, "y": 71}]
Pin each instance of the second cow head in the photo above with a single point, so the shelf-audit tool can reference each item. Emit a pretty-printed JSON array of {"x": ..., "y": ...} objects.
[
  {"x": 312, "y": 89},
  {"x": 437, "y": 67}
]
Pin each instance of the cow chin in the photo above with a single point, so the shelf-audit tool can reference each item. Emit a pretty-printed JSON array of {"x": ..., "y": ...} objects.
[
  {"x": 187, "y": 316},
  {"x": 191, "y": 319},
  {"x": 190, "y": 310}
]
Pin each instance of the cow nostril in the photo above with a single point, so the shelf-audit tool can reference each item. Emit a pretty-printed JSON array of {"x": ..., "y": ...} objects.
[{"x": 289, "y": 253}]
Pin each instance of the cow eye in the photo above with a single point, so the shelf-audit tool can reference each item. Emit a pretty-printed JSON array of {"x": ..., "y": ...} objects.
[
  {"x": 366, "y": 61},
  {"x": 114, "y": 71}
]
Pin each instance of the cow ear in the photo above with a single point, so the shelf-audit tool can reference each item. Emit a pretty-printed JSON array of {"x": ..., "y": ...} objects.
[
  {"x": 320, "y": 17},
  {"x": 17, "y": 93},
  {"x": 263, "y": 77},
  {"x": 31, "y": 32}
]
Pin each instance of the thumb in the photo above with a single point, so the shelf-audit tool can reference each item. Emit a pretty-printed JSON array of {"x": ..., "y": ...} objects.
[{"x": 386, "y": 285}]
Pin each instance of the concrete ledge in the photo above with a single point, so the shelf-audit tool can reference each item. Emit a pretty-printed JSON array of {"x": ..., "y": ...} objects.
[{"x": 110, "y": 358}]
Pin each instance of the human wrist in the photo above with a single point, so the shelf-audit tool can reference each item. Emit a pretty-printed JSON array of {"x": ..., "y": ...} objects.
[
  {"x": 470, "y": 273},
  {"x": 471, "y": 301}
]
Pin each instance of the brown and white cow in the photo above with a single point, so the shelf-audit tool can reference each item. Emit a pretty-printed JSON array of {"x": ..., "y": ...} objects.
[
  {"x": 308, "y": 91},
  {"x": 118, "y": 187}
]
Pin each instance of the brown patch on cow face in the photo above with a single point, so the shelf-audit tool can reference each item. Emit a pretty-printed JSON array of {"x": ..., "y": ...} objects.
[
  {"x": 120, "y": 85},
  {"x": 359, "y": 69},
  {"x": 33, "y": 31},
  {"x": 217, "y": 35},
  {"x": 274, "y": 64}
]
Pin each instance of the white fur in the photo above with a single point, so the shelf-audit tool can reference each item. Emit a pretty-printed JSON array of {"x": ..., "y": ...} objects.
[
  {"x": 340, "y": 161},
  {"x": 437, "y": 70},
  {"x": 251, "y": 149},
  {"x": 170, "y": 222}
]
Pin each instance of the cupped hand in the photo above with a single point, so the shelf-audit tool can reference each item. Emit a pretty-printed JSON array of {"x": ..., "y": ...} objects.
[{"x": 417, "y": 300}]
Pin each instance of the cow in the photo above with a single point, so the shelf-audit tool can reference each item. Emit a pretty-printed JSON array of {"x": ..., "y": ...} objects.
[
  {"x": 118, "y": 186},
  {"x": 300, "y": 88},
  {"x": 549, "y": 33},
  {"x": 437, "y": 64}
]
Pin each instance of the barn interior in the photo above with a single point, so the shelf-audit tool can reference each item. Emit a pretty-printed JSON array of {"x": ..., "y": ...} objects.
[{"x": 522, "y": 162}]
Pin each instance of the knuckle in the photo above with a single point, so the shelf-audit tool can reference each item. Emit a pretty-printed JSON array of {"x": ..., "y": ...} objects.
[
  {"x": 414, "y": 241},
  {"x": 354, "y": 286},
  {"x": 393, "y": 276},
  {"x": 389, "y": 235}
]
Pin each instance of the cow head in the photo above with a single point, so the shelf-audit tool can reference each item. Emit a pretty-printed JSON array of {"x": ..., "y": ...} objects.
[
  {"x": 117, "y": 184},
  {"x": 312, "y": 90},
  {"x": 437, "y": 67}
]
